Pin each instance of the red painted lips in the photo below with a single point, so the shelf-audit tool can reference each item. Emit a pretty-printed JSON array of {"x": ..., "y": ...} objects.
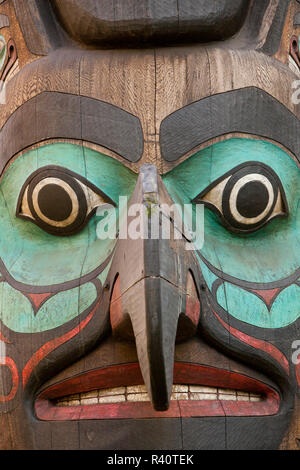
[{"x": 130, "y": 374}]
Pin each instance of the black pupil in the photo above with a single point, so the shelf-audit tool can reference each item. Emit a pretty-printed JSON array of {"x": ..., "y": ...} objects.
[
  {"x": 252, "y": 199},
  {"x": 54, "y": 202}
]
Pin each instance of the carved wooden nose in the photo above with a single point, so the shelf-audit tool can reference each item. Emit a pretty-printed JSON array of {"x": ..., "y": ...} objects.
[{"x": 154, "y": 298}]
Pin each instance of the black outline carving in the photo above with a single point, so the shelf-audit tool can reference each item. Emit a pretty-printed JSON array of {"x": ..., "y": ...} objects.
[
  {"x": 285, "y": 282},
  {"x": 226, "y": 218},
  {"x": 69, "y": 176},
  {"x": 56, "y": 115},
  {"x": 247, "y": 110}
]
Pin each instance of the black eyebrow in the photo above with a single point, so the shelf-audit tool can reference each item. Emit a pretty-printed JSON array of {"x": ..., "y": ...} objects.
[
  {"x": 54, "y": 115},
  {"x": 248, "y": 110}
]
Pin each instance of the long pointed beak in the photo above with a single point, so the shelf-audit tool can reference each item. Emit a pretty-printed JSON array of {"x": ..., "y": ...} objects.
[{"x": 153, "y": 290}]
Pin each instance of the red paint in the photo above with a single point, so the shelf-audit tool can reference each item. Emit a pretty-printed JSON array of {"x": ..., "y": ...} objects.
[
  {"x": 297, "y": 370},
  {"x": 195, "y": 374},
  {"x": 15, "y": 380},
  {"x": 38, "y": 299},
  {"x": 192, "y": 301},
  {"x": 258, "y": 344},
  {"x": 267, "y": 295},
  {"x": 193, "y": 309},
  {"x": 129, "y": 374},
  {"x": 3, "y": 339},
  {"x": 116, "y": 314},
  {"x": 51, "y": 345},
  {"x": 142, "y": 410},
  {"x": 108, "y": 377}
]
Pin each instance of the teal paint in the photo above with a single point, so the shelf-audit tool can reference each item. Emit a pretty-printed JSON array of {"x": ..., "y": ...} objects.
[
  {"x": 245, "y": 257},
  {"x": 249, "y": 308},
  {"x": 31, "y": 255},
  {"x": 209, "y": 277},
  {"x": 268, "y": 255},
  {"x": 103, "y": 275},
  {"x": 3, "y": 51},
  {"x": 17, "y": 312}
]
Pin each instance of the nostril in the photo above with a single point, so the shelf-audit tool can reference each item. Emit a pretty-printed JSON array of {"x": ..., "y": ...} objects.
[
  {"x": 186, "y": 329},
  {"x": 116, "y": 304},
  {"x": 120, "y": 322},
  {"x": 192, "y": 299},
  {"x": 188, "y": 320}
]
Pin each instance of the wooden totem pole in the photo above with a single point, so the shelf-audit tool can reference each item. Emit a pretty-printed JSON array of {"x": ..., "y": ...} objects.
[{"x": 113, "y": 112}]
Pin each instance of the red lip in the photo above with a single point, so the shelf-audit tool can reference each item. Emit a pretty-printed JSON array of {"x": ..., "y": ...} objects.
[{"x": 130, "y": 374}]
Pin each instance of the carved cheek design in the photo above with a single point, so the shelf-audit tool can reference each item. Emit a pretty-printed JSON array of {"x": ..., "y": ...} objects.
[
  {"x": 249, "y": 260},
  {"x": 20, "y": 315},
  {"x": 52, "y": 262},
  {"x": 250, "y": 308}
]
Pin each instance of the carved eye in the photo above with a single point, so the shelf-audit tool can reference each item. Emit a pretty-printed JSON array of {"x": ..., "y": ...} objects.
[
  {"x": 59, "y": 201},
  {"x": 246, "y": 198}
]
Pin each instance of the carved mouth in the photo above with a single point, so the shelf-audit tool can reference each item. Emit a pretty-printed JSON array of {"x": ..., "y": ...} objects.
[
  {"x": 117, "y": 392},
  {"x": 139, "y": 394}
]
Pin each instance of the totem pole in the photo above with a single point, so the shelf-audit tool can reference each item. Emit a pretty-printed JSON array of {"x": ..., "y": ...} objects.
[{"x": 128, "y": 341}]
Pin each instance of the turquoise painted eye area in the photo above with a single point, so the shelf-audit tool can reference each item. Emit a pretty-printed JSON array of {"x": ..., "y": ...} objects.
[
  {"x": 246, "y": 198},
  {"x": 59, "y": 201}
]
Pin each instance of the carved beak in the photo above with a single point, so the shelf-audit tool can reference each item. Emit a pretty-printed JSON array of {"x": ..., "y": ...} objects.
[{"x": 154, "y": 299}]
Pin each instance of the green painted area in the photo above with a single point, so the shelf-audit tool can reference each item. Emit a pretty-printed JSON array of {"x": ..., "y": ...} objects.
[
  {"x": 249, "y": 308},
  {"x": 35, "y": 257},
  {"x": 104, "y": 273},
  {"x": 209, "y": 277},
  {"x": 3, "y": 50},
  {"x": 247, "y": 257},
  {"x": 268, "y": 255},
  {"x": 17, "y": 312}
]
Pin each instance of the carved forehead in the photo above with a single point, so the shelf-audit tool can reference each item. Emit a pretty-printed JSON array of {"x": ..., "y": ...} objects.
[
  {"x": 143, "y": 86},
  {"x": 142, "y": 92}
]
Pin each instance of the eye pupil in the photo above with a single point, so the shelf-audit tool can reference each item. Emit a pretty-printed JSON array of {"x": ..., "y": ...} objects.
[
  {"x": 252, "y": 199},
  {"x": 246, "y": 198},
  {"x": 57, "y": 201},
  {"x": 54, "y": 202}
]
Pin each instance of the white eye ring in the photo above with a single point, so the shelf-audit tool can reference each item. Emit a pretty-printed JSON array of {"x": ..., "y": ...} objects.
[
  {"x": 246, "y": 209},
  {"x": 65, "y": 207},
  {"x": 234, "y": 195},
  {"x": 69, "y": 191}
]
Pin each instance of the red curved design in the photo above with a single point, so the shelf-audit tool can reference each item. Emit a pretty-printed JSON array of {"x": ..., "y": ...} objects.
[
  {"x": 297, "y": 370},
  {"x": 3, "y": 339},
  {"x": 130, "y": 374},
  {"x": 53, "y": 344},
  {"x": 15, "y": 379},
  {"x": 258, "y": 344},
  {"x": 267, "y": 295}
]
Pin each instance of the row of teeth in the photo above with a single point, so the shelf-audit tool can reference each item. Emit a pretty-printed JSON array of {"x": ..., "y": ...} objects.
[{"x": 138, "y": 394}]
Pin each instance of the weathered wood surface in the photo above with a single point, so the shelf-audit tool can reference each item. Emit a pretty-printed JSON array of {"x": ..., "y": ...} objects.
[{"x": 103, "y": 90}]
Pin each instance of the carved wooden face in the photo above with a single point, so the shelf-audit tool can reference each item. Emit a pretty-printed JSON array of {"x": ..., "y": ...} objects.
[{"x": 165, "y": 342}]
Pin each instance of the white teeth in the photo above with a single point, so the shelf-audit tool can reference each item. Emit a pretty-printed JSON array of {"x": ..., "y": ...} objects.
[
  {"x": 112, "y": 399},
  {"x": 138, "y": 393},
  {"x": 179, "y": 396},
  {"x": 137, "y": 397},
  {"x": 107, "y": 392},
  {"x": 180, "y": 388},
  {"x": 200, "y": 389}
]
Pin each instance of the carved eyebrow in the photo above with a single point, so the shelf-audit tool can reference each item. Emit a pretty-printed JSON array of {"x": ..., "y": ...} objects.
[
  {"x": 248, "y": 110},
  {"x": 53, "y": 115}
]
